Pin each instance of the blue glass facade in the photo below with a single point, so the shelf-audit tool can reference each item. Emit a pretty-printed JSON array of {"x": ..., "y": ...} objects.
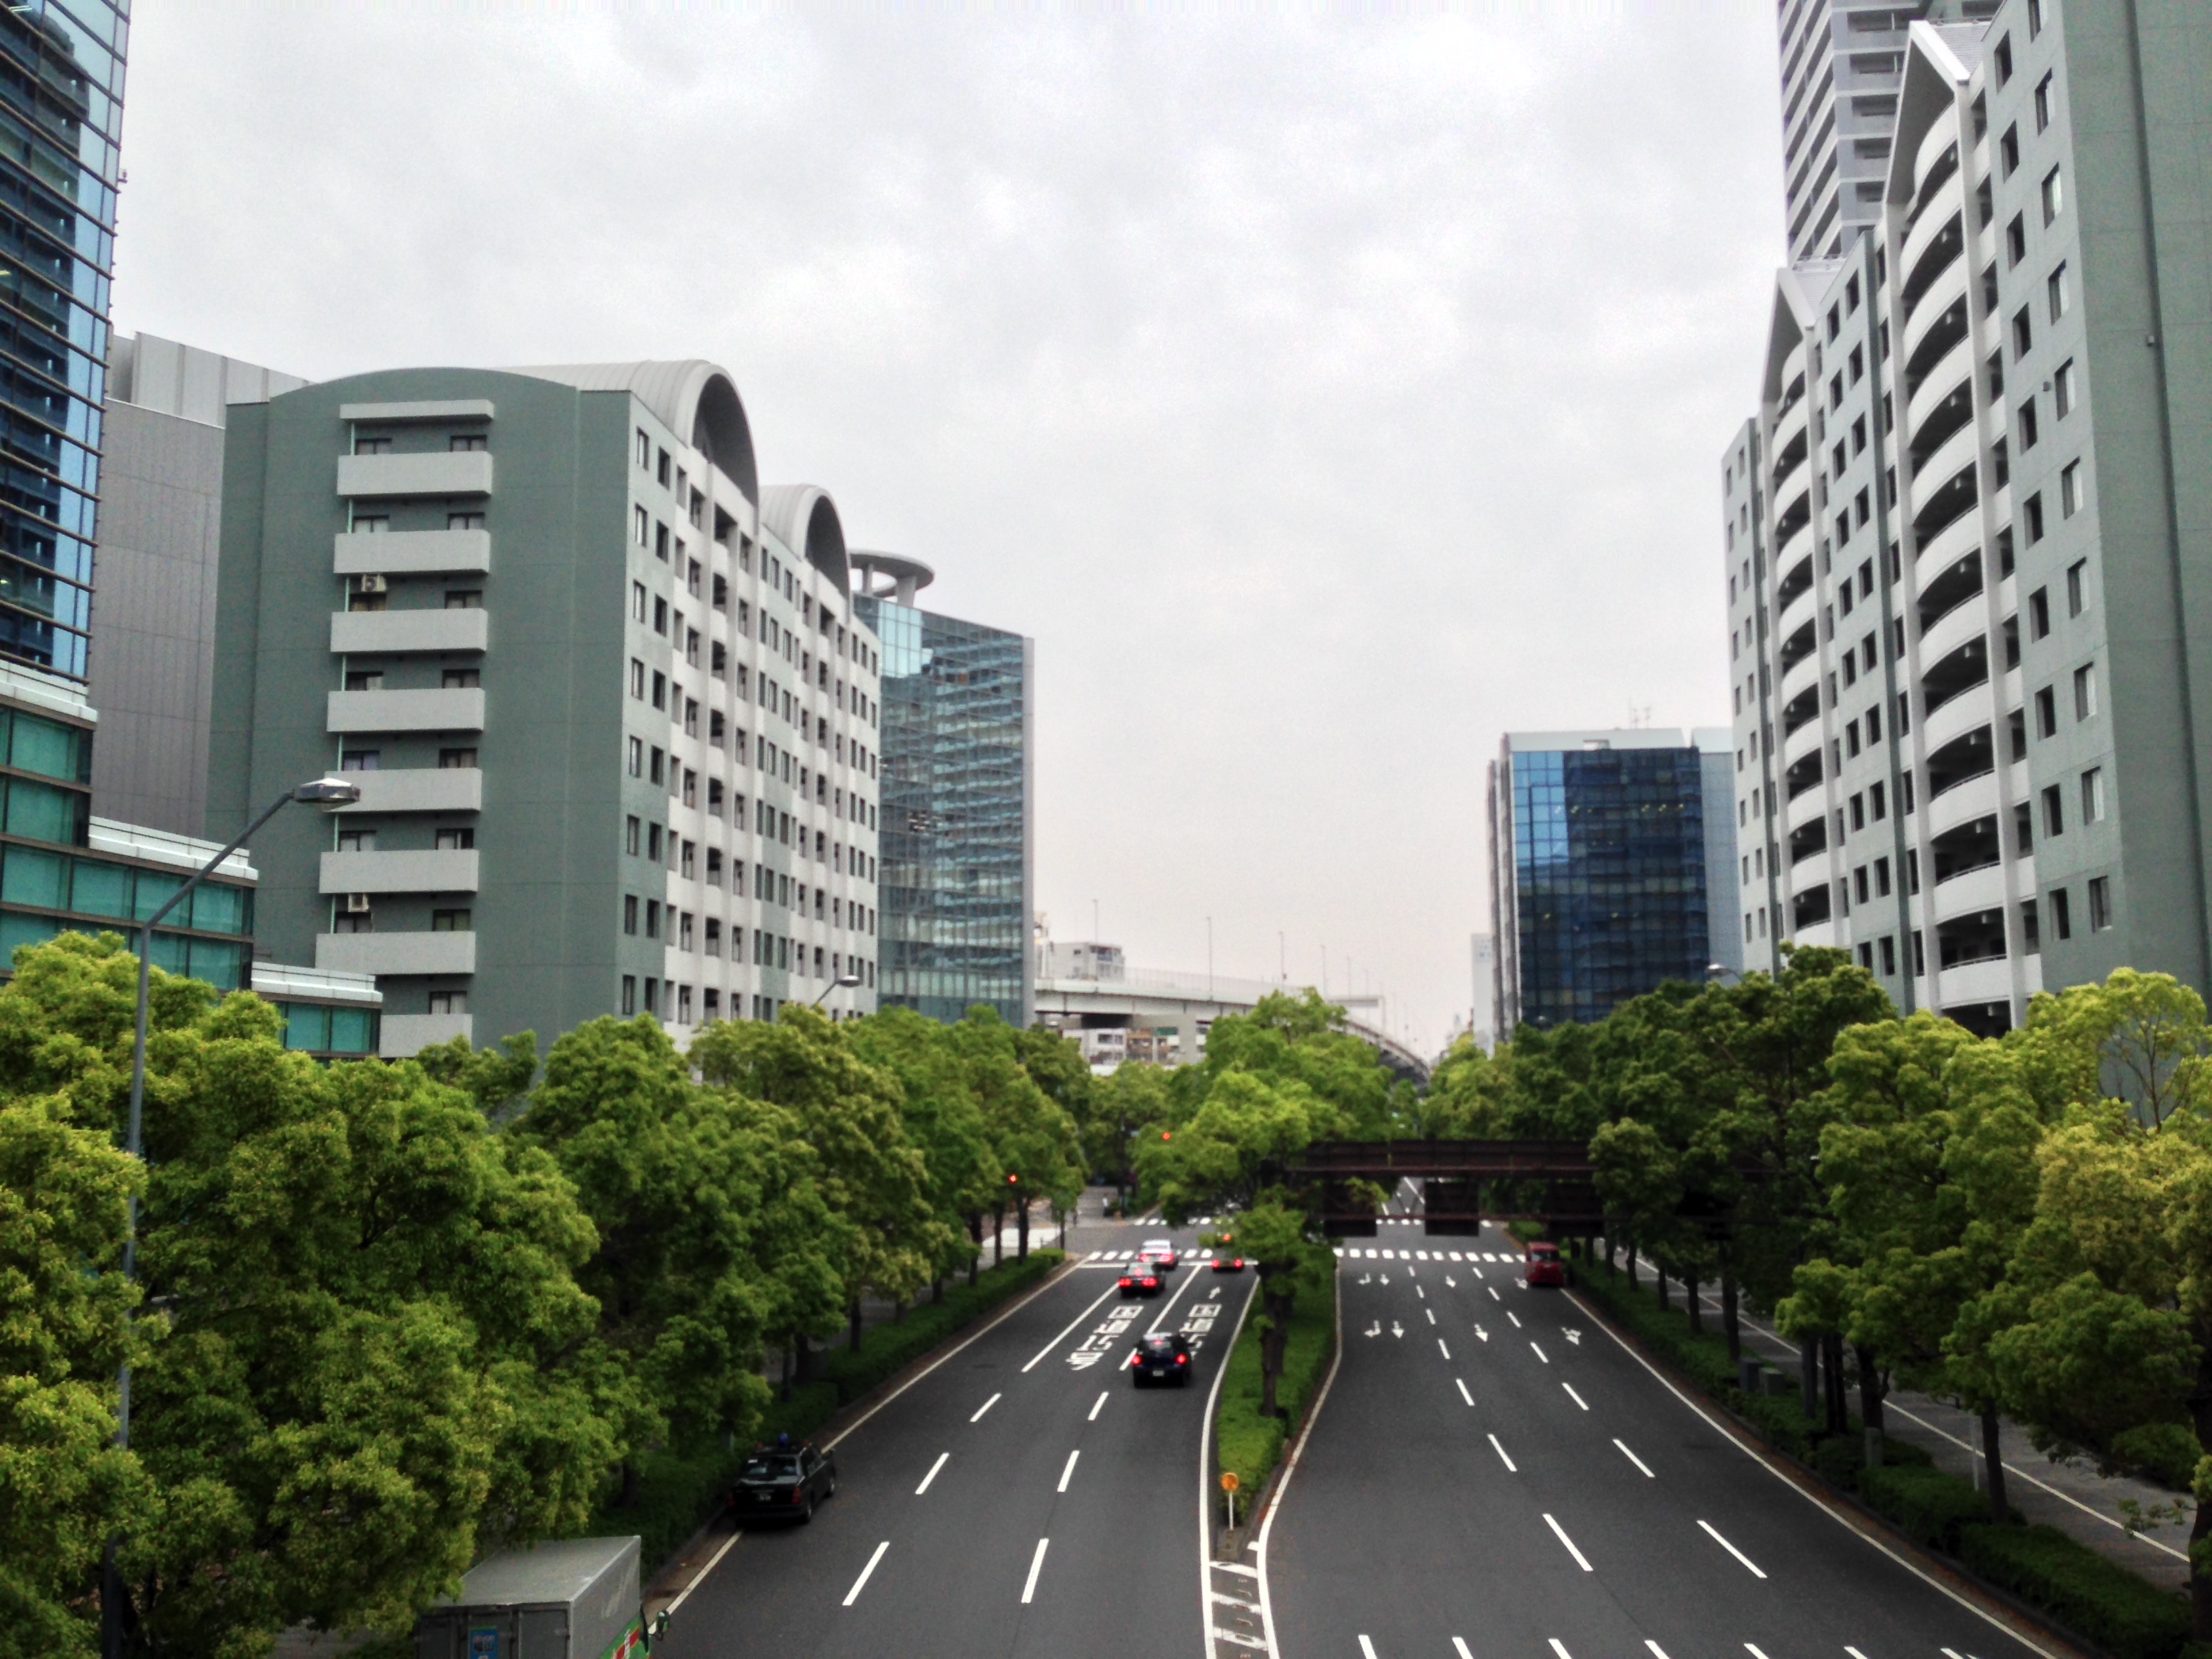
[
  {"x": 955, "y": 869},
  {"x": 1609, "y": 890},
  {"x": 61, "y": 108}
]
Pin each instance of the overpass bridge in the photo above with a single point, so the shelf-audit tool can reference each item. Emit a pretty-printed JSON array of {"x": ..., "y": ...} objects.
[{"x": 1463, "y": 1184}]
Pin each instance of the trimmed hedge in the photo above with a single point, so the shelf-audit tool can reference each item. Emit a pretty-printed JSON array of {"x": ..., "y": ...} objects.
[
  {"x": 2103, "y": 1600},
  {"x": 2099, "y": 1599},
  {"x": 1246, "y": 1442},
  {"x": 679, "y": 1486}
]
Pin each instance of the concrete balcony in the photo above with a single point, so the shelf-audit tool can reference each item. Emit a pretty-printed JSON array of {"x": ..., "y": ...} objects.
[
  {"x": 1988, "y": 981},
  {"x": 418, "y": 789},
  {"x": 460, "y": 709},
  {"x": 1955, "y": 628},
  {"x": 395, "y": 633},
  {"x": 1812, "y": 804},
  {"x": 1802, "y": 742},
  {"x": 396, "y": 953},
  {"x": 1962, "y": 803},
  {"x": 1950, "y": 371},
  {"x": 453, "y": 871},
  {"x": 437, "y": 472},
  {"x": 402, "y": 1036},
  {"x": 1969, "y": 892},
  {"x": 1958, "y": 716},
  {"x": 1949, "y": 544},
  {"x": 1961, "y": 449},
  {"x": 437, "y": 409},
  {"x": 1942, "y": 294},
  {"x": 410, "y": 552},
  {"x": 1940, "y": 209}
]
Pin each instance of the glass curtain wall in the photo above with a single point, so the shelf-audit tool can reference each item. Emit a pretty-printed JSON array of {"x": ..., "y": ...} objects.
[
  {"x": 61, "y": 108},
  {"x": 953, "y": 893},
  {"x": 1609, "y": 869}
]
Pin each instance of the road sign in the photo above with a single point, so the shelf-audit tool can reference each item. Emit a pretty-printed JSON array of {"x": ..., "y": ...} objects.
[{"x": 1228, "y": 1480}]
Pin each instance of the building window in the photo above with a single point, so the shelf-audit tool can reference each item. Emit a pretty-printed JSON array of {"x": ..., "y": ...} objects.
[
  {"x": 457, "y": 760},
  {"x": 2015, "y": 241},
  {"x": 2101, "y": 903},
  {"x": 713, "y": 937},
  {"x": 637, "y": 601},
  {"x": 2035, "y": 18},
  {"x": 653, "y": 835},
  {"x": 360, "y": 760},
  {"x": 2032, "y": 510},
  {"x": 630, "y": 980},
  {"x": 636, "y": 757},
  {"x": 460, "y": 679},
  {"x": 455, "y": 838},
  {"x": 683, "y": 931},
  {"x": 2077, "y": 587},
  {"x": 450, "y": 921},
  {"x": 637, "y": 679},
  {"x": 2023, "y": 334},
  {"x": 2054, "y": 812},
  {"x": 652, "y": 918},
  {"x": 2062, "y": 914},
  {"x": 464, "y": 521},
  {"x": 2008, "y": 151},
  {"x": 2062, "y": 389},
  {"x": 2058, "y": 293},
  {"x": 2004, "y": 60},
  {"x": 2043, "y": 104},
  {"x": 2093, "y": 795},
  {"x": 2038, "y": 614},
  {"x": 630, "y": 834},
  {"x": 370, "y": 680},
  {"x": 660, "y": 690},
  {"x": 1888, "y": 956},
  {"x": 644, "y": 460},
  {"x": 660, "y": 542},
  {"x": 449, "y": 1002},
  {"x": 464, "y": 599},
  {"x": 2085, "y": 692},
  {"x": 2070, "y": 489},
  {"x": 2046, "y": 712},
  {"x": 2029, "y": 431},
  {"x": 640, "y": 527},
  {"x": 2054, "y": 196}
]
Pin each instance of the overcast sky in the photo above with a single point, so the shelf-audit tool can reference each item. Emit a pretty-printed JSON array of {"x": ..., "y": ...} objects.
[{"x": 1326, "y": 396}]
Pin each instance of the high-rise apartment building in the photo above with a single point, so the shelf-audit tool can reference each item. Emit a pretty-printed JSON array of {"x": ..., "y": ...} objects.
[
  {"x": 61, "y": 78},
  {"x": 1965, "y": 555},
  {"x": 959, "y": 801},
  {"x": 1604, "y": 879},
  {"x": 614, "y": 720}
]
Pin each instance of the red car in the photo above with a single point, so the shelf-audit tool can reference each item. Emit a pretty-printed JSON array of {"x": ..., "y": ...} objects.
[
  {"x": 1140, "y": 1280},
  {"x": 1544, "y": 1266}
]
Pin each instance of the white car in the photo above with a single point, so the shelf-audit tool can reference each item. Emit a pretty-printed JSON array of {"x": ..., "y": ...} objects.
[{"x": 1160, "y": 1252}]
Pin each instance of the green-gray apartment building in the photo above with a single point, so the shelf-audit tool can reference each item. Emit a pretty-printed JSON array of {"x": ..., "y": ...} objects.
[{"x": 613, "y": 719}]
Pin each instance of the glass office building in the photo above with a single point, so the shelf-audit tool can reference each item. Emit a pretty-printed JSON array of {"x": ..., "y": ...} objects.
[
  {"x": 1604, "y": 880},
  {"x": 957, "y": 796},
  {"x": 61, "y": 98}
]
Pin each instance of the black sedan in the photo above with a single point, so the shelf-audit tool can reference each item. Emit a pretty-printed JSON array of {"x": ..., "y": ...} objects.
[
  {"x": 783, "y": 1483},
  {"x": 1162, "y": 1356},
  {"x": 1143, "y": 1279}
]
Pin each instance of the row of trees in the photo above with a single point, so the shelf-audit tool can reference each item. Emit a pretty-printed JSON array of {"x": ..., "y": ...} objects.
[
  {"x": 2023, "y": 1223},
  {"x": 389, "y": 1318}
]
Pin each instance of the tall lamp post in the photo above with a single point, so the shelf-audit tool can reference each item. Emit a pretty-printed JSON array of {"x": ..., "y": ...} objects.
[
  {"x": 327, "y": 794},
  {"x": 842, "y": 982},
  {"x": 1719, "y": 973}
]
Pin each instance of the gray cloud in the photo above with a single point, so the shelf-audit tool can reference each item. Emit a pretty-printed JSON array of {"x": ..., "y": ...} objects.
[{"x": 1327, "y": 394}]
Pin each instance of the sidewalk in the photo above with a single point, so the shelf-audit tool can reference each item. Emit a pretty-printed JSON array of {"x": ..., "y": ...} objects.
[{"x": 2069, "y": 1495}]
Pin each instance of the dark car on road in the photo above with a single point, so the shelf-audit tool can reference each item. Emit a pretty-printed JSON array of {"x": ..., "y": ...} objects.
[
  {"x": 1142, "y": 1280},
  {"x": 783, "y": 1483},
  {"x": 1162, "y": 1356},
  {"x": 1545, "y": 1267},
  {"x": 1228, "y": 1262}
]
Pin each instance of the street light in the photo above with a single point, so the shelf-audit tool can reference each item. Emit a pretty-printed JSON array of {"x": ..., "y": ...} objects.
[
  {"x": 842, "y": 982},
  {"x": 1714, "y": 971},
  {"x": 328, "y": 794}
]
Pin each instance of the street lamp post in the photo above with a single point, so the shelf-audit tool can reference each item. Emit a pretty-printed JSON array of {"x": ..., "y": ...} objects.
[
  {"x": 1714, "y": 971},
  {"x": 842, "y": 982},
  {"x": 326, "y": 793}
]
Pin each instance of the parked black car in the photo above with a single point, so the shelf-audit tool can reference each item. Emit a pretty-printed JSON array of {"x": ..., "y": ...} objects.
[
  {"x": 1162, "y": 1356},
  {"x": 783, "y": 1483}
]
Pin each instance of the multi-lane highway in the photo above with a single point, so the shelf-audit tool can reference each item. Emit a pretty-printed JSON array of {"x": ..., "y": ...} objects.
[{"x": 1492, "y": 1476}]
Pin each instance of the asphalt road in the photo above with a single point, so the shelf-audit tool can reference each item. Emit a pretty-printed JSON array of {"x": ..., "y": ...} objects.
[
  {"x": 1022, "y": 1498},
  {"x": 1494, "y": 1477}
]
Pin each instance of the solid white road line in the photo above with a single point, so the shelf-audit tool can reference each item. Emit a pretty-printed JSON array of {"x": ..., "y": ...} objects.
[
  {"x": 1572, "y": 1395},
  {"x": 1559, "y": 1649},
  {"x": 1731, "y": 1549},
  {"x": 713, "y": 1561},
  {"x": 861, "y": 1583},
  {"x": 1111, "y": 1290},
  {"x": 1560, "y": 1532},
  {"x": 1853, "y": 1651},
  {"x": 1036, "y": 1566},
  {"x": 984, "y": 1407},
  {"x": 1442, "y": 1349},
  {"x": 1541, "y": 1355},
  {"x": 1099, "y": 1406},
  {"x": 1464, "y": 1394},
  {"x": 1657, "y": 1652},
  {"x": 1068, "y": 1473},
  {"x": 942, "y": 1458},
  {"x": 1633, "y": 1458},
  {"x": 1290, "y": 1466},
  {"x": 1751, "y": 1648},
  {"x": 1366, "y": 1648},
  {"x": 1508, "y": 1462},
  {"x": 1461, "y": 1648},
  {"x": 1206, "y": 1566}
]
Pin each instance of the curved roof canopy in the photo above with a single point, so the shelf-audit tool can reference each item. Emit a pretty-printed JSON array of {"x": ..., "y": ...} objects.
[
  {"x": 692, "y": 397},
  {"x": 806, "y": 519}
]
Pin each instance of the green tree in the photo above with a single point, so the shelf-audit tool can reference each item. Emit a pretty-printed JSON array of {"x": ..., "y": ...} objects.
[
  {"x": 1127, "y": 1107},
  {"x": 1039, "y": 1154},
  {"x": 1280, "y": 1242},
  {"x": 944, "y": 1121}
]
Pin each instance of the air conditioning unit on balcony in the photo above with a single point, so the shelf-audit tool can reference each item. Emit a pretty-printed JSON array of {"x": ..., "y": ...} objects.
[
  {"x": 368, "y": 584},
  {"x": 354, "y": 904}
]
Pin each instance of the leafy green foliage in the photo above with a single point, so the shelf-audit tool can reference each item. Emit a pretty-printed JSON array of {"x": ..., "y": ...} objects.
[{"x": 1249, "y": 1438}]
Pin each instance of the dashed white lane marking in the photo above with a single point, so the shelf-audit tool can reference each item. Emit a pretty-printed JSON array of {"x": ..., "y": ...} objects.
[
  {"x": 1109, "y": 1291},
  {"x": 1494, "y": 1295},
  {"x": 984, "y": 1407},
  {"x": 1510, "y": 1314},
  {"x": 1855, "y": 1653},
  {"x": 1559, "y": 1647},
  {"x": 1464, "y": 1394},
  {"x": 1442, "y": 1349},
  {"x": 1581, "y": 1561},
  {"x": 1731, "y": 1549},
  {"x": 1572, "y": 1395},
  {"x": 1461, "y": 1648},
  {"x": 1657, "y": 1652},
  {"x": 1366, "y": 1648},
  {"x": 1633, "y": 1458},
  {"x": 1421, "y": 1293},
  {"x": 1097, "y": 1407},
  {"x": 1036, "y": 1566},
  {"x": 1068, "y": 1473},
  {"x": 1541, "y": 1355},
  {"x": 1431, "y": 1313},
  {"x": 942, "y": 1458},
  {"x": 861, "y": 1583},
  {"x": 1753, "y": 1650},
  {"x": 1509, "y": 1469}
]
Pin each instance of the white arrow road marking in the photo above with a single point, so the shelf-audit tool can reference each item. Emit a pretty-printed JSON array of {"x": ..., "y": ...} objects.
[
  {"x": 1464, "y": 1394},
  {"x": 861, "y": 1583},
  {"x": 1396, "y": 1329},
  {"x": 1375, "y": 1329},
  {"x": 984, "y": 1407},
  {"x": 1367, "y": 1279},
  {"x": 931, "y": 1475},
  {"x": 1036, "y": 1566},
  {"x": 1640, "y": 1464},
  {"x": 1560, "y": 1532},
  {"x": 1454, "y": 1283},
  {"x": 1853, "y": 1651},
  {"x": 1575, "y": 1337},
  {"x": 1572, "y": 1395},
  {"x": 1541, "y": 1355},
  {"x": 1731, "y": 1549},
  {"x": 1481, "y": 1334},
  {"x": 1442, "y": 1349},
  {"x": 1386, "y": 1278},
  {"x": 1508, "y": 1462}
]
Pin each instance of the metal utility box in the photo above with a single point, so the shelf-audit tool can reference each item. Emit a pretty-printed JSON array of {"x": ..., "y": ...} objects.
[{"x": 577, "y": 1599}]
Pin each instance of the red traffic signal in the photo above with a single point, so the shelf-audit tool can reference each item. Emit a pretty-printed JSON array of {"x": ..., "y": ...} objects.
[
  {"x": 1012, "y": 1180},
  {"x": 1167, "y": 1134}
]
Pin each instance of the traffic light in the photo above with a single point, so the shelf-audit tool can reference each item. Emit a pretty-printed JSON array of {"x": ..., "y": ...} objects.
[{"x": 1167, "y": 1134}]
